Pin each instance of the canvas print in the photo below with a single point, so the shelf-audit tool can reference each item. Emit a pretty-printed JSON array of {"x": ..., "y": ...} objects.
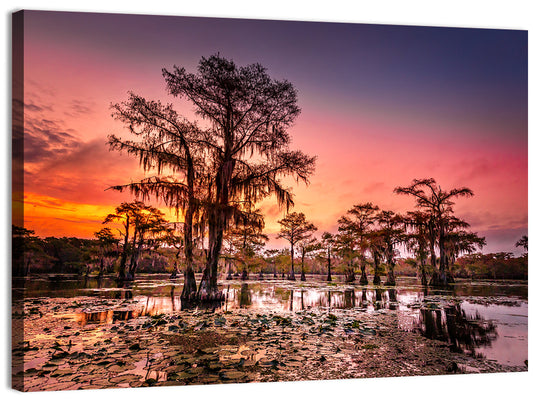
[{"x": 213, "y": 201}]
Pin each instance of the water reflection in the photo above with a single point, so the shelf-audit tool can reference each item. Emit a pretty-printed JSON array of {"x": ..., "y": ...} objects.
[
  {"x": 245, "y": 296},
  {"x": 465, "y": 333},
  {"x": 469, "y": 327},
  {"x": 108, "y": 316}
]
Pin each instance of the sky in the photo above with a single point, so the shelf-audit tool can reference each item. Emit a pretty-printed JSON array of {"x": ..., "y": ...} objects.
[{"x": 381, "y": 105}]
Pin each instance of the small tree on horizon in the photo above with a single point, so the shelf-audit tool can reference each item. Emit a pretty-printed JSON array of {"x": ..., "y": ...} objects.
[
  {"x": 439, "y": 203},
  {"x": 307, "y": 246},
  {"x": 107, "y": 244},
  {"x": 328, "y": 243},
  {"x": 295, "y": 228},
  {"x": 357, "y": 225},
  {"x": 522, "y": 242}
]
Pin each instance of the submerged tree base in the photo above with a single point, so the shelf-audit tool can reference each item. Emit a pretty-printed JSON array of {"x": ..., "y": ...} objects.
[
  {"x": 441, "y": 280},
  {"x": 210, "y": 296}
]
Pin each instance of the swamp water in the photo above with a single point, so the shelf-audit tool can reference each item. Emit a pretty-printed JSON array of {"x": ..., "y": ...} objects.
[{"x": 268, "y": 330}]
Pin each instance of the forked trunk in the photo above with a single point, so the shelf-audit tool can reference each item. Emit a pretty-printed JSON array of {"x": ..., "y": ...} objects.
[{"x": 208, "y": 289}]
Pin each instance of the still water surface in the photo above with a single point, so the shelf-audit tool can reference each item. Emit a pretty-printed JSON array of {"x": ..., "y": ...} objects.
[{"x": 485, "y": 319}]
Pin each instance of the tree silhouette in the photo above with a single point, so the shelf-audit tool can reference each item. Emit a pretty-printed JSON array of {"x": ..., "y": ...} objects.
[
  {"x": 392, "y": 234},
  {"x": 271, "y": 257},
  {"x": 246, "y": 235},
  {"x": 522, "y": 242},
  {"x": 377, "y": 249},
  {"x": 459, "y": 241},
  {"x": 439, "y": 203},
  {"x": 328, "y": 242},
  {"x": 150, "y": 231},
  {"x": 346, "y": 247},
  {"x": 107, "y": 247},
  {"x": 357, "y": 224},
  {"x": 26, "y": 249},
  {"x": 306, "y": 246},
  {"x": 171, "y": 144},
  {"x": 148, "y": 225},
  {"x": 417, "y": 240},
  {"x": 295, "y": 228},
  {"x": 248, "y": 114}
]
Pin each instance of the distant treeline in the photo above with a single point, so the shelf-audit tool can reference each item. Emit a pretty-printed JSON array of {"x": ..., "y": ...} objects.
[
  {"x": 501, "y": 265},
  {"x": 72, "y": 255},
  {"x": 35, "y": 255}
]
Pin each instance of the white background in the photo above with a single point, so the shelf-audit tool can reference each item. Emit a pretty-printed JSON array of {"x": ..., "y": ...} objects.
[{"x": 504, "y": 14}]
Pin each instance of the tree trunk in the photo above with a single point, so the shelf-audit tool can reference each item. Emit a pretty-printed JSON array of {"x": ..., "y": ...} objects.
[
  {"x": 134, "y": 252},
  {"x": 229, "y": 275},
  {"x": 350, "y": 275},
  {"x": 329, "y": 266},
  {"x": 122, "y": 267},
  {"x": 102, "y": 267},
  {"x": 27, "y": 270},
  {"x": 189, "y": 284},
  {"x": 390, "y": 274},
  {"x": 291, "y": 275},
  {"x": 442, "y": 275},
  {"x": 423, "y": 276},
  {"x": 302, "y": 277},
  {"x": 363, "y": 280},
  {"x": 377, "y": 279},
  {"x": 208, "y": 289},
  {"x": 244, "y": 275}
]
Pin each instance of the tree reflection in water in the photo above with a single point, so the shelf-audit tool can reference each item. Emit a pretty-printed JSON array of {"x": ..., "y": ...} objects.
[
  {"x": 393, "y": 300},
  {"x": 349, "y": 299},
  {"x": 125, "y": 290},
  {"x": 464, "y": 333},
  {"x": 245, "y": 296},
  {"x": 378, "y": 304}
]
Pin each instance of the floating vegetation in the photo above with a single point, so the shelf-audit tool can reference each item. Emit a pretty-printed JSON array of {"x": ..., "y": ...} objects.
[{"x": 64, "y": 351}]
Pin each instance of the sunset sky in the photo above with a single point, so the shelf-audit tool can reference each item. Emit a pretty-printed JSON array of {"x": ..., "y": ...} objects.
[{"x": 381, "y": 105}]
